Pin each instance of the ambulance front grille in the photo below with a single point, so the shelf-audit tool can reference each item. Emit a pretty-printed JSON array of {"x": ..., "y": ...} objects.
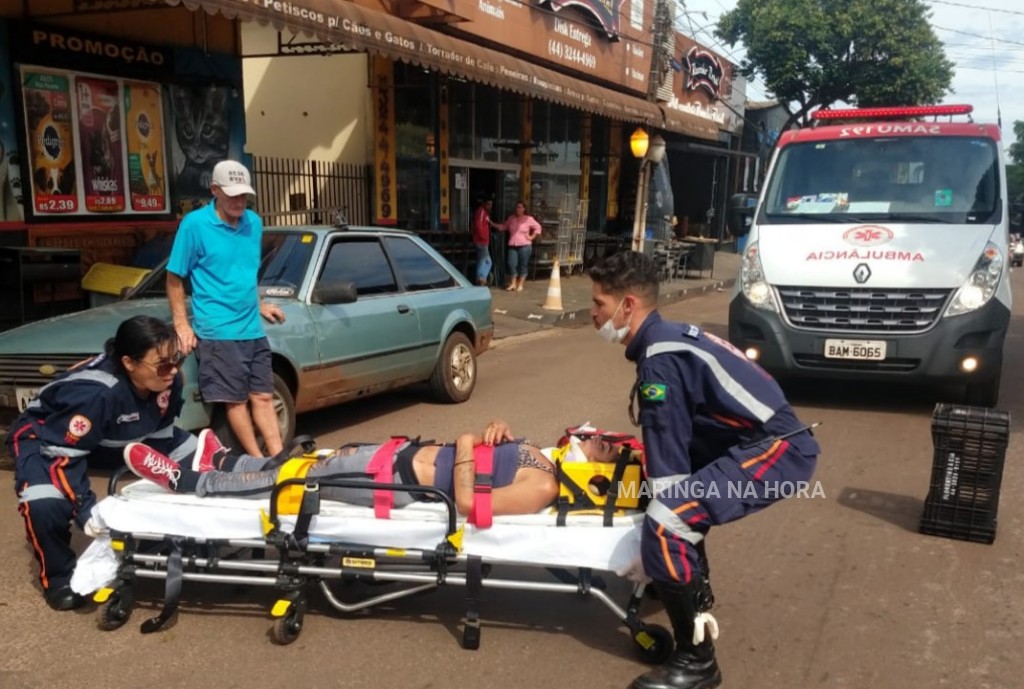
[{"x": 863, "y": 309}]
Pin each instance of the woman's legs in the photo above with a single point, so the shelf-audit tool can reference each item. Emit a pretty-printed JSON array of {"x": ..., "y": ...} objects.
[
  {"x": 524, "y": 265},
  {"x": 513, "y": 267},
  {"x": 48, "y": 510}
]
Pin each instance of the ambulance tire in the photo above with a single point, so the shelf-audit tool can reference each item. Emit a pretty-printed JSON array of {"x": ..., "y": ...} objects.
[
  {"x": 984, "y": 394},
  {"x": 658, "y": 645},
  {"x": 284, "y": 405}
]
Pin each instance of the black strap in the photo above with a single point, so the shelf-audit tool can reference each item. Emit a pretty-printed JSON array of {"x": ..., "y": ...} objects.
[
  {"x": 172, "y": 589},
  {"x": 612, "y": 497},
  {"x": 474, "y": 586},
  {"x": 308, "y": 508}
]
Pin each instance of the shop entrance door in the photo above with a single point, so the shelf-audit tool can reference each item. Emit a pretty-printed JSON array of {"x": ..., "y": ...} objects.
[{"x": 472, "y": 185}]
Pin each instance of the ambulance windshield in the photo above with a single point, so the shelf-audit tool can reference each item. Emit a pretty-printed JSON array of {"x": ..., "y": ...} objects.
[{"x": 919, "y": 179}]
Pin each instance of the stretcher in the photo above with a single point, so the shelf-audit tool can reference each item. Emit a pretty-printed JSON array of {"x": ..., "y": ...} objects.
[{"x": 184, "y": 539}]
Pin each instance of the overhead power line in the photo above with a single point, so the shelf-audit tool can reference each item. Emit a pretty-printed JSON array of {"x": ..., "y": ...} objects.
[
  {"x": 975, "y": 7},
  {"x": 978, "y": 35}
]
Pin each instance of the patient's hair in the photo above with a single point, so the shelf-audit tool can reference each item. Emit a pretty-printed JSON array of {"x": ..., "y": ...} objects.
[
  {"x": 138, "y": 335},
  {"x": 627, "y": 271}
]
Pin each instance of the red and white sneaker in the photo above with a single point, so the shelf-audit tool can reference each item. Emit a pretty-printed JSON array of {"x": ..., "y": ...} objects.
[
  {"x": 147, "y": 463},
  {"x": 209, "y": 450}
]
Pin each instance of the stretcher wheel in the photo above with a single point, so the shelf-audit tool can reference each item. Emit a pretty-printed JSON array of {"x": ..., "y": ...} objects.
[
  {"x": 653, "y": 644},
  {"x": 288, "y": 627},
  {"x": 116, "y": 611}
]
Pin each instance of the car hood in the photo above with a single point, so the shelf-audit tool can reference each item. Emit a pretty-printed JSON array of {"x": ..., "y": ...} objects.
[
  {"x": 82, "y": 332},
  {"x": 896, "y": 255}
]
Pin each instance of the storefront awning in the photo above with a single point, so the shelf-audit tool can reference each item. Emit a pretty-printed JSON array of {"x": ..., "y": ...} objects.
[
  {"x": 345, "y": 23},
  {"x": 689, "y": 124}
]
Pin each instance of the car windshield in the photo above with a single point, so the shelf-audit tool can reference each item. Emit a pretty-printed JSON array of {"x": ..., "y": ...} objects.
[
  {"x": 937, "y": 179},
  {"x": 286, "y": 254}
]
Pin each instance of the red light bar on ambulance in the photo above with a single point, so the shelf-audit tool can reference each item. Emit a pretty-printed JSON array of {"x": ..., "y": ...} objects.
[{"x": 889, "y": 113}]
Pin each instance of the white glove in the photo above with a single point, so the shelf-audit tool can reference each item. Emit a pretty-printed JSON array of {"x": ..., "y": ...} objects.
[
  {"x": 94, "y": 527},
  {"x": 634, "y": 572},
  {"x": 96, "y": 567}
]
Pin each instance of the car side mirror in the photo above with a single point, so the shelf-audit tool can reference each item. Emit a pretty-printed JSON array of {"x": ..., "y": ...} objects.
[{"x": 334, "y": 293}]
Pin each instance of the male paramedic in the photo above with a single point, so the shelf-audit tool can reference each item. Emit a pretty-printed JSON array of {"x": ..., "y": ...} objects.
[{"x": 720, "y": 438}]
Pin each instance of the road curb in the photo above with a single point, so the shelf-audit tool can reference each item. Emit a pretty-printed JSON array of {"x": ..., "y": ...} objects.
[{"x": 580, "y": 317}]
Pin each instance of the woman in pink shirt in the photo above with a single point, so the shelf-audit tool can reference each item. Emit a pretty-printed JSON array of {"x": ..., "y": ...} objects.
[{"x": 522, "y": 230}]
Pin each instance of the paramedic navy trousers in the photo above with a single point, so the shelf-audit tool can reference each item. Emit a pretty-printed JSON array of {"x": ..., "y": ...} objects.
[
  {"x": 739, "y": 483},
  {"x": 51, "y": 493}
]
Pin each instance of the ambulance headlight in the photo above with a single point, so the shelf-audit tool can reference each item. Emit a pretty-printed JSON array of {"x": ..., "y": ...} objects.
[
  {"x": 980, "y": 284},
  {"x": 755, "y": 287}
]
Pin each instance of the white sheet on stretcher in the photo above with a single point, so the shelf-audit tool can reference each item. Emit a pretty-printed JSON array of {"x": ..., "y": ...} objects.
[{"x": 532, "y": 539}]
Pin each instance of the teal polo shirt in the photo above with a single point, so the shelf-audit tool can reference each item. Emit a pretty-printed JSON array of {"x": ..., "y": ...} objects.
[{"x": 222, "y": 262}]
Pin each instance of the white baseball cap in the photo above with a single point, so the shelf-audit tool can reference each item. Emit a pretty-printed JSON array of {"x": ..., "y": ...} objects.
[{"x": 232, "y": 177}]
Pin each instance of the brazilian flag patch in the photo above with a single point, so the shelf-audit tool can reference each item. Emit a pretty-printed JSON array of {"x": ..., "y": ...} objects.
[{"x": 653, "y": 392}]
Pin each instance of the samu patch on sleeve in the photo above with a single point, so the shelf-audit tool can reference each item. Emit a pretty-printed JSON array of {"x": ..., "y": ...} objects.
[{"x": 653, "y": 392}]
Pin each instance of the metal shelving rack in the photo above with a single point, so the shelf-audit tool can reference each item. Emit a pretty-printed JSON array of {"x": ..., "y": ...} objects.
[{"x": 564, "y": 237}]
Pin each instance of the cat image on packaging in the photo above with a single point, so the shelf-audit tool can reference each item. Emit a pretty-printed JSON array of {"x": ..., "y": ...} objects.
[
  {"x": 51, "y": 142},
  {"x": 99, "y": 130},
  {"x": 146, "y": 162},
  {"x": 202, "y": 135}
]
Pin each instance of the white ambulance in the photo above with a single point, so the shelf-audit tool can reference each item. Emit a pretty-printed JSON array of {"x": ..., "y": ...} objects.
[{"x": 879, "y": 250}]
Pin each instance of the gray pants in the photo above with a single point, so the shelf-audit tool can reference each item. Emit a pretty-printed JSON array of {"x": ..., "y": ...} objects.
[{"x": 250, "y": 480}]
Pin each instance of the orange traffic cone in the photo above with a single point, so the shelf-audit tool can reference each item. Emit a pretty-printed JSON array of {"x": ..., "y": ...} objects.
[{"x": 553, "y": 302}]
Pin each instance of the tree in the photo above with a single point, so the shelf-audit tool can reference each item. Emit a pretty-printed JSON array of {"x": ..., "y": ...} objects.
[
  {"x": 813, "y": 53},
  {"x": 1015, "y": 178}
]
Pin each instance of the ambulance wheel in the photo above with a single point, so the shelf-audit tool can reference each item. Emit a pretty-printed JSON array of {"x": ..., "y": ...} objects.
[
  {"x": 288, "y": 627},
  {"x": 116, "y": 611},
  {"x": 653, "y": 644}
]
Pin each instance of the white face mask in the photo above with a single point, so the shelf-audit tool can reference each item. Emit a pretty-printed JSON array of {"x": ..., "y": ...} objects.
[{"x": 609, "y": 333}]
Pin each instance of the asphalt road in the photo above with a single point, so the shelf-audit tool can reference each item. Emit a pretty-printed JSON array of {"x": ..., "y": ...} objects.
[{"x": 834, "y": 591}]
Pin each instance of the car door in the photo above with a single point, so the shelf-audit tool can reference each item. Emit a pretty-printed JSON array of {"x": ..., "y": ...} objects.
[
  {"x": 370, "y": 344},
  {"x": 431, "y": 289}
]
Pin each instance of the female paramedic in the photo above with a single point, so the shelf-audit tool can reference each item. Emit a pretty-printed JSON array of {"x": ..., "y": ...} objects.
[
  {"x": 523, "y": 475},
  {"x": 87, "y": 416}
]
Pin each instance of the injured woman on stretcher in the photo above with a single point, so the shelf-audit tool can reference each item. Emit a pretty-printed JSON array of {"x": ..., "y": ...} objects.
[
  {"x": 522, "y": 475},
  {"x": 383, "y": 512}
]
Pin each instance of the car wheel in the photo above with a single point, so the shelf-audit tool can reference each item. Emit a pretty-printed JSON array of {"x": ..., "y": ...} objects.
[
  {"x": 454, "y": 374},
  {"x": 284, "y": 405}
]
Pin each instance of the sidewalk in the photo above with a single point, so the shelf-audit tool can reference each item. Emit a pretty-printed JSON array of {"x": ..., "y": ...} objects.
[{"x": 518, "y": 313}]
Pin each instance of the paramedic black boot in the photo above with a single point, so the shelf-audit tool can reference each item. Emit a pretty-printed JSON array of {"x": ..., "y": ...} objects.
[{"x": 692, "y": 666}]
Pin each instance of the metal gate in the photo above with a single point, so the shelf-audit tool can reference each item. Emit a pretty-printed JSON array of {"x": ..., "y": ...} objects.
[{"x": 310, "y": 192}]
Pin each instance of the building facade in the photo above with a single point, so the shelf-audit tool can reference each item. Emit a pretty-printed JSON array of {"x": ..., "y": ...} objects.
[{"x": 112, "y": 113}]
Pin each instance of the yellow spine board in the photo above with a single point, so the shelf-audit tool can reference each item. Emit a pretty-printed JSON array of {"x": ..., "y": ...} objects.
[
  {"x": 290, "y": 498},
  {"x": 595, "y": 479}
]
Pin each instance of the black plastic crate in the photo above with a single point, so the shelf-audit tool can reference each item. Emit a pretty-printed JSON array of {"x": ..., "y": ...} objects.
[{"x": 967, "y": 470}]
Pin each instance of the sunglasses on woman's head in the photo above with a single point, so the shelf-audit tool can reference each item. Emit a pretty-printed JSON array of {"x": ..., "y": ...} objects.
[{"x": 164, "y": 366}]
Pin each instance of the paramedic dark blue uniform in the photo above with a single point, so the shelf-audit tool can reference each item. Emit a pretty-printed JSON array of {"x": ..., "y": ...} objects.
[
  {"x": 88, "y": 414},
  {"x": 710, "y": 421}
]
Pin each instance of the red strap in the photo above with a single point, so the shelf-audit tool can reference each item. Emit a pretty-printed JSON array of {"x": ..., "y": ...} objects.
[
  {"x": 382, "y": 468},
  {"x": 481, "y": 514}
]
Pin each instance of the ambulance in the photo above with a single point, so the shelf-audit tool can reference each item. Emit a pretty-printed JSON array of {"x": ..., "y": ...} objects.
[{"x": 879, "y": 250}]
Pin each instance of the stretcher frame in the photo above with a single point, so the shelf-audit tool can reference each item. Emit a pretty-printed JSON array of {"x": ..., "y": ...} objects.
[{"x": 301, "y": 563}]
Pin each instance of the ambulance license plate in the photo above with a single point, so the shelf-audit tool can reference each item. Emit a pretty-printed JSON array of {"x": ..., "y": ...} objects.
[
  {"x": 24, "y": 396},
  {"x": 864, "y": 350}
]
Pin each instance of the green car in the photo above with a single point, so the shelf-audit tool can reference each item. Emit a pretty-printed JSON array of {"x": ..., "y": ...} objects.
[{"x": 367, "y": 310}]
